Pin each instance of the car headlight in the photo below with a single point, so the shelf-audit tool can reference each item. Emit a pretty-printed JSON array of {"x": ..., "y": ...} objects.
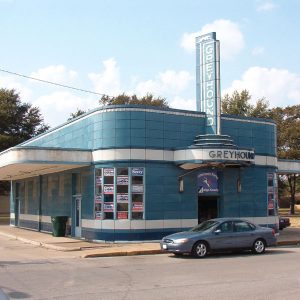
[{"x": 180, "y": 241}]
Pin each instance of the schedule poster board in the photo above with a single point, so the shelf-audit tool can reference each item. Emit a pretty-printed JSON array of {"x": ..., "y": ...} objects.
[
  {"x": 108, "y": 207},
  {"x": 109, "y": 172},
  {"x": 122, "y": 180},
  {"x": 137, "y": 206},
  {"x": 108, "y": 189},
  {"x": 138, "y": 188}
]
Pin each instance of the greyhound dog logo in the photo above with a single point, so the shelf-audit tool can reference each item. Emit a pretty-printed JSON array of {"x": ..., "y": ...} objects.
[{"x": 207, "y": 182}]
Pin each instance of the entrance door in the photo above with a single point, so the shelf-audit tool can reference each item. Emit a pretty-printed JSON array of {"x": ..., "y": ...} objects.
[
  {"x": 207, "y": 208},
  {"x": 77, "y": 215}
]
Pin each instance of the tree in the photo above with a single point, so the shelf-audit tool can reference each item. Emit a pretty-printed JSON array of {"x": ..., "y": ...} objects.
[
  {"x": 238, "y": 104},
  {"x": 18, "y": 122},
  {"x": 149, "y": 99},
  {"x": 76, "y": 114},
  {"x": 288, "y": 142}
]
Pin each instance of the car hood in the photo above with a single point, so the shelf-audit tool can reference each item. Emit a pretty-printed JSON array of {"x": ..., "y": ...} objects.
[{"x": 183, "y": 234}]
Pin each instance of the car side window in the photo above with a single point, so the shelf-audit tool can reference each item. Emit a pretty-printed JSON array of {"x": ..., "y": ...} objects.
[
  {"x": 240, "y": 226},
  {"x": 225, "y": 227}
]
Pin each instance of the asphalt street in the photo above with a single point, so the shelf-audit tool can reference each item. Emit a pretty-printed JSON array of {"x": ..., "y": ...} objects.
[{"x": 29, "y": 272}]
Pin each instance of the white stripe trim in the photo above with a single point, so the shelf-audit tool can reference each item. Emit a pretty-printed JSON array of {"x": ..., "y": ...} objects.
[
  {"x": 289, "y": 166},
  {"x": 27, "y": 217},
  {"x": 168, "y": 155},
  {"x": 143, "y": 224},
  {"x": 162, "y": 224},
  {"x": 249, "y": 121}
]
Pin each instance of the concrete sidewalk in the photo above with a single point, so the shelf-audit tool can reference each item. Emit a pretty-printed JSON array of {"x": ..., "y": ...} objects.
[
  {"x": 83, "y": 248},
  {"x": 86, "y": 249}
]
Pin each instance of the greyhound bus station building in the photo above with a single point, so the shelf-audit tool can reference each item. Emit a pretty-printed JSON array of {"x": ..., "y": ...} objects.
[{"x": 138, "y": 172}]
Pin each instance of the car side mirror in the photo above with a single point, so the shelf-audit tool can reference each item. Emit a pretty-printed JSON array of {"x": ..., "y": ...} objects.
[{"x": 217, "y": 231}]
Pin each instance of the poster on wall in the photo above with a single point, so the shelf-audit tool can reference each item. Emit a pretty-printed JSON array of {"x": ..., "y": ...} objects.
[
  {"x": 98, "y": 198},
  {"x": 207, "y": 182},
  {"x": 137, "y": 206},
  {"x": 137, "y": 188},
  {"x": 108, "y": 189},
  {"x": 272, "y": 194},
  {"x": 98, "y": 180},
  {"x": 109, "y": 172},
  {"x": 108, "y": 207},
  {"x": 122, "y": 180},
  {"x": 98, "y": 211},
  {"x": 122, "y": 215},
  {"x": 271, "y": 204},
  {"x": 137, "y": 171},
  {"x": 98, "y": 215},
  {"x": 122, "y": 197}
]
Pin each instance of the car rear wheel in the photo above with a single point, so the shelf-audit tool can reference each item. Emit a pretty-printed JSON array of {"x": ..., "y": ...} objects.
[
  {"x": 259, "y": 246},
  {"x": 200, "y": 249}
]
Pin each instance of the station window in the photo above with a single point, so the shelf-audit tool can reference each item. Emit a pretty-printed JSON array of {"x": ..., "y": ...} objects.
[
  {"x": 108, "y": 193},
  {"x": 137, "y": 188},
  {"x": 119, "y": 193}
]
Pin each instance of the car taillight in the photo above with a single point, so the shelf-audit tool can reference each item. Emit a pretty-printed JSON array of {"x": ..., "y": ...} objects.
[{"x": 273, "y": 232}]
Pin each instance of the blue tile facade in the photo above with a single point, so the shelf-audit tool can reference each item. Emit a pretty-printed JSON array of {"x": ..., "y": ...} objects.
[
  {"x": 145, "y": 128},
  {"x": 123, "y": 129}
]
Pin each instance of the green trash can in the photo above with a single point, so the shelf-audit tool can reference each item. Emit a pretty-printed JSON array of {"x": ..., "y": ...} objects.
[{"x": 59, "y": 224}]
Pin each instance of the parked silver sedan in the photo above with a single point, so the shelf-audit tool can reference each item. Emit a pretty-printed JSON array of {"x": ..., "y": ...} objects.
[{"x": 222, "y": 234}]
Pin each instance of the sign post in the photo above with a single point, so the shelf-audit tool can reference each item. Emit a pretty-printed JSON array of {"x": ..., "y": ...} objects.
[{"x": 208, "y": 80}]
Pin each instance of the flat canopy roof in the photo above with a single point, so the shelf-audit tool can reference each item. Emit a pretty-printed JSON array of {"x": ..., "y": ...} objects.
[{"x": 19, "y": 163}]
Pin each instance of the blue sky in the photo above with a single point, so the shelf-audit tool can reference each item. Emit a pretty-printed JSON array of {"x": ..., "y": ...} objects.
[{"x": 138, "y": 46}]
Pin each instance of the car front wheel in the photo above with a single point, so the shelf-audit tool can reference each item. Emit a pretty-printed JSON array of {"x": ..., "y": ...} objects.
[
  {"x": 259, "y": 246},
  {"x": 200, "y": 249}
]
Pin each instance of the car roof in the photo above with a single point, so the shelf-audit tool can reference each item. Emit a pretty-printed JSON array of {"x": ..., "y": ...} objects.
[{"x": 228, "y": 219}]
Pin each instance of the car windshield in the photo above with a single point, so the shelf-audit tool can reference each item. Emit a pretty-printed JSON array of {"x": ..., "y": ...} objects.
[{"x": 204, "y": 226}]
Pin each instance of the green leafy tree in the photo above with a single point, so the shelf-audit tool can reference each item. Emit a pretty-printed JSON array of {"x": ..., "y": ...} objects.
[
  {"x": 238, "y": 104},
  {"x": 288, "y": 143},
  {"x": 18, "y": 123},
  {"x": 76, "y": 114},
  {"x": 149, "y": 99}
]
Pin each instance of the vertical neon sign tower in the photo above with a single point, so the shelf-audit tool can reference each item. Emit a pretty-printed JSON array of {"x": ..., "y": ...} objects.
[{"x": 208, "y": 93}]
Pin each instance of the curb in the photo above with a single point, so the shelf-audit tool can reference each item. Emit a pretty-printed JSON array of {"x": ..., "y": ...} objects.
[
  {"x": 59, "y": 248},
  {"x": 21, "y": 239},
  {"x": 40, "y": 244},
  {"x": 122, "y": 253},
  {"x": 111, "y": 253}
]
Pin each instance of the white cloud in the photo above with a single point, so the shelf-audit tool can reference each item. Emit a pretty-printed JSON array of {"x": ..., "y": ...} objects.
[
  {"x": 181, "y": 103},
  {"x": 266, "y": 6},
  {"x": 58, "y": 74},
  {"x": 170, "y": 82},
  {"x": 108, "y": 81},
  {"x": 278, "y": 86},
  {"x": 258, "y": 50},
  {"x": 228, "y": 32},
  {"x": 10, "y": 82},
  {"x": 57, "y": 107}
]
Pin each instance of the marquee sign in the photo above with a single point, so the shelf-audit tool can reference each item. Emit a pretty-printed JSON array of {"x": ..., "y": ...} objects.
[
  {"x": 208, "y": 80},
  {"x": 226, "y": 154}
]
